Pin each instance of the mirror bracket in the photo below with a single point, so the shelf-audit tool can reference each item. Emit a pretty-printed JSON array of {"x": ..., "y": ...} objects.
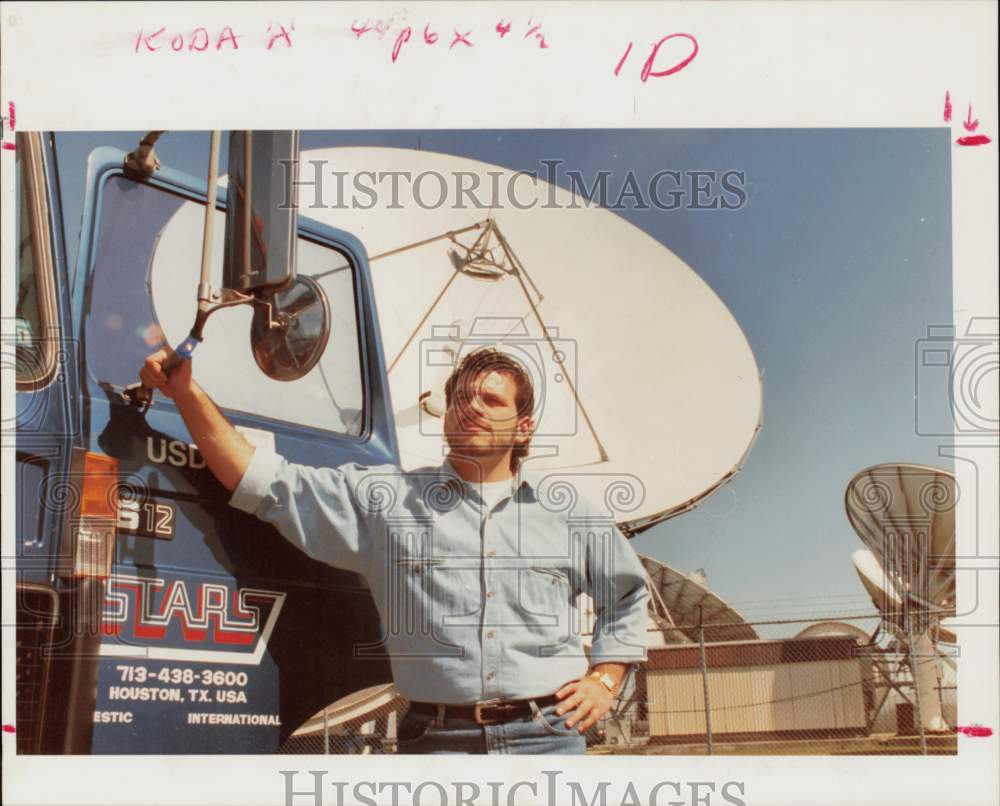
[
  {"x": 143, "y": 162},
  {"x": 210, "y": 301}
]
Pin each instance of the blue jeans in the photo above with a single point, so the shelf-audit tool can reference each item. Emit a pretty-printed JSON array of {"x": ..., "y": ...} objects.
[{"x": 540, "y": 733}]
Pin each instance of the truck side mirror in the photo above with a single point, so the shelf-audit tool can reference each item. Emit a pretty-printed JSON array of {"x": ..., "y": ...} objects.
[
  {"x": 291, "y": 322},
  {"x": 261, "y": 211},
  {"x": 289, "y": 335}
]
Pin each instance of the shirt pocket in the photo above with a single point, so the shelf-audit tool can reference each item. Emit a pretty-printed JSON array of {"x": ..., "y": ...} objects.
[
  {"x": 439, "y": 595},
  {"x": 545, "y": 597},
  {"x": 456, "y": 593}
]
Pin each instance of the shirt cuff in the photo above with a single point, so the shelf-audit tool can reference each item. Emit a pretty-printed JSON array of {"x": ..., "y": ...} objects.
[
  {"x": 256, "y": 480},
  {"x": 616, "y": 653},
  {"x": 618, "y": 658}
]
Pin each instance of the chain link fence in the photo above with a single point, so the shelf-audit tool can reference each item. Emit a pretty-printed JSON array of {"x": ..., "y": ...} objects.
[{"x": 830, "y": 690}]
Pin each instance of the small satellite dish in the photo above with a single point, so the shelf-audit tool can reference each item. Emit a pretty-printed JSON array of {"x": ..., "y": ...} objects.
[
  {"x": 290, "y": 330},
  {"x": 360, "y": 705},
  {"x": 905, "y": 515},
  {"x": 834, "y": 629},
  {"x": 682, "y": 595}
]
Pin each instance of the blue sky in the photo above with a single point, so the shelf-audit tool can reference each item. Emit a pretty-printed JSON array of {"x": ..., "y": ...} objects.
[{"x": 835, "y": 267}]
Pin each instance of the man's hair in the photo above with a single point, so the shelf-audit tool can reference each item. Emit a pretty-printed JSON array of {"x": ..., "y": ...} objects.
[{"x": 489, "y": 359}]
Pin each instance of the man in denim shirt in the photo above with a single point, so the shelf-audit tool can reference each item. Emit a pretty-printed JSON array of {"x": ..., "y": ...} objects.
[{"x": 475, "y": 566}]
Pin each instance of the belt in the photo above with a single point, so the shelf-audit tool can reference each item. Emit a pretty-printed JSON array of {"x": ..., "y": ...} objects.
[{"x": 489, "y": 712}]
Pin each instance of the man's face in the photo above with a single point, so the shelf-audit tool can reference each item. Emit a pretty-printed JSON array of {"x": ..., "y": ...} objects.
[{"x": 482, "y": 419}]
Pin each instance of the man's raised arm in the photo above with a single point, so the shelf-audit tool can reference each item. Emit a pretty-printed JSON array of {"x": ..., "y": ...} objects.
[
  {"x": 224, "y": 449},
  {"x": 315, "y": 509}
]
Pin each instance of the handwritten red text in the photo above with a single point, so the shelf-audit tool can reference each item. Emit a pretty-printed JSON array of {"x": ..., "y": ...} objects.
[{"x": 657, "y": 66}]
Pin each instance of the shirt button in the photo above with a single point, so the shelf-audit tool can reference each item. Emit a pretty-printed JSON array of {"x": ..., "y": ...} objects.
[
  {"x": 490, "y": 634},
  {"x": 491, "y": 675},
  {"x": 489, "y": 594},
  {"x": 491, "y": 553}
]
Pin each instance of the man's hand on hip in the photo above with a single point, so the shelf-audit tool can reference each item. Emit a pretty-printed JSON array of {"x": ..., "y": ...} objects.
[{"x": 591, "y": 699}]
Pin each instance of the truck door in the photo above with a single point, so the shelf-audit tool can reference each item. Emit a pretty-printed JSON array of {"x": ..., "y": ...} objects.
[{"x": 217, "y": 636}]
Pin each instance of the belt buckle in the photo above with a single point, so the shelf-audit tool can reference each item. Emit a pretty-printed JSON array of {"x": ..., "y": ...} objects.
[{"x": 477, "y": 711}]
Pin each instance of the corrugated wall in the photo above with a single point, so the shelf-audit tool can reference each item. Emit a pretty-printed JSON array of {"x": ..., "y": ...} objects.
[{"x": 776, "y": 698}]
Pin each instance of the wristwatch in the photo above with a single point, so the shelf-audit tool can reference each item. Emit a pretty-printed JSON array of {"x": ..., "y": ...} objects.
[{"x": 606, "y": 679}]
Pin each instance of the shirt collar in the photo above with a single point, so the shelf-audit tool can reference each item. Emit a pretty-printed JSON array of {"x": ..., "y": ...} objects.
[{"x": 524, "y": 479}]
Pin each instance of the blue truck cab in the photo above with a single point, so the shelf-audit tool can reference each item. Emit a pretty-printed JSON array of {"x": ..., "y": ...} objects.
[{"x": 152, "y": 617}]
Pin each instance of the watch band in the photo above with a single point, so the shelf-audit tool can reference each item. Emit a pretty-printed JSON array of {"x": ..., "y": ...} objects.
[{"x": 605, "y": 679}]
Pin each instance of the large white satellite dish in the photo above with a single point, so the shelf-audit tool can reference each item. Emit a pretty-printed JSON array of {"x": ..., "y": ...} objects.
[
  {"x": 679, "y": 600},
  {"x": 649, "y": 394},
  {"x": 657, "y": 383}
]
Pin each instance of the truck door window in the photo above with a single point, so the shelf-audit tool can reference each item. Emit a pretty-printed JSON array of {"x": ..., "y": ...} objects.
[
  {"x": 36, "y": 323},
  {"x": 145, "y": 271}
]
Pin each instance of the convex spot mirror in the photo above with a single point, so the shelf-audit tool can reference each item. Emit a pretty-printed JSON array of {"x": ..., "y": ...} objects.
[
  {"x": 261, "y": 211},
  {"x": 289, "y": 333}
]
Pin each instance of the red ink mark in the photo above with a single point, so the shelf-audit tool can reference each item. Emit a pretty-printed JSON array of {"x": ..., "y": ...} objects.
[
  {"x": 970, "y": 124},
  {"x": 975, "y": 730},
  {"x": 429, "y": 36},
  {"x": 647, "y": 69},
  {"x": 147, "y": 40},
  {"x": 463, "y": 38},
  {"x": 194, "y": 44},
  {"x": 974, "y": 140},
  {"x": 282, "y": 34},
  {"x": 227, "y": 35},
  {"x": 502, "y": 29},
  {"x": 360, "y": 30},
  {"x": 628, "y": 50},
  {"x": 947, "y": 107},
  {"x": 9, "y": 729},
  {"x": 13, "y": 123},
  {"x": 404, "y": 36},
  {"x": 539, "y": 37},
  {"x": 177, "y": 42}
]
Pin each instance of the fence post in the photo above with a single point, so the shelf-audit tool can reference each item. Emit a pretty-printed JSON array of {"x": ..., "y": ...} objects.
[
  {"x": 910, "y": 637},
  {"x": 704, "y": 681}
]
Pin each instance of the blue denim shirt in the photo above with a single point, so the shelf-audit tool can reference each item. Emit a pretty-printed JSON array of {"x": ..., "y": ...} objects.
[{"x": 476, "y": 604}]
